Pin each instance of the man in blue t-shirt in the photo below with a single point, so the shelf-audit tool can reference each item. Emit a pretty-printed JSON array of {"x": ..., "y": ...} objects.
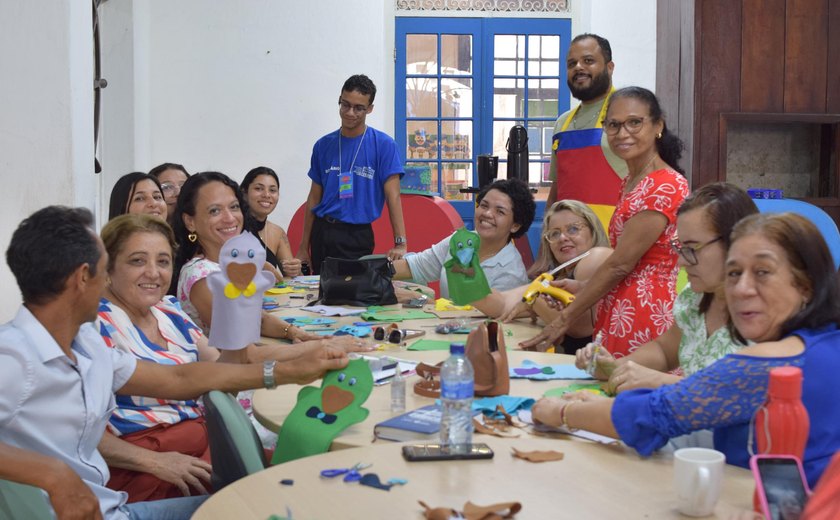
[{"x": 354, "y": 171}]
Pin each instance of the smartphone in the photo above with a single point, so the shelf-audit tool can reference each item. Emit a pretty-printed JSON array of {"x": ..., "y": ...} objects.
[
  {"x": 781, "y": 485},
  {"x": 424, "y": 452}
]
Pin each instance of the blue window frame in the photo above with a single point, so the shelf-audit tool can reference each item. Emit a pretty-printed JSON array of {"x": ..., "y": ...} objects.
[{"x": 462, "y": 83}]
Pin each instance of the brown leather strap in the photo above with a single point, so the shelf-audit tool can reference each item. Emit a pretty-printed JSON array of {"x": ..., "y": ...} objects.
[{"x": 428, "y": 386}]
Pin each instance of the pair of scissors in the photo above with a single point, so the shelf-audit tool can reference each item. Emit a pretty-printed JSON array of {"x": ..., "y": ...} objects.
[{"x": 350, "y": 474}]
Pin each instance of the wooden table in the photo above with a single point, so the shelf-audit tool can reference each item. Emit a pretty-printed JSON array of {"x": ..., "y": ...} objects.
[{"x": 593, "y": 481}]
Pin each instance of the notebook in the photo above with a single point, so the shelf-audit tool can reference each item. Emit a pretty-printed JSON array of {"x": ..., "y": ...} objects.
[{"x": 420, "y": 424}]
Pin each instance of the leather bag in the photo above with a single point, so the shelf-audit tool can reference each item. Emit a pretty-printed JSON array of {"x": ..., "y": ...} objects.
[
  {"x": 488, "y": 356},
  {"x": 360, "y": 283}
]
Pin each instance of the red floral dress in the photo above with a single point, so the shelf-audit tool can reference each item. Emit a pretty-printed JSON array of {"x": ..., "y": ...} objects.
[{"x": 639, "y": 308}]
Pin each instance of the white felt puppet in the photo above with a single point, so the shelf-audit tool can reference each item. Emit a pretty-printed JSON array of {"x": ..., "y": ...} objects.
[{"x": 238, "y": 293}]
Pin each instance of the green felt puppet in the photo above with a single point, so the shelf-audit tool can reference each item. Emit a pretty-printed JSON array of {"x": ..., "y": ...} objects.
[
  {"x": 322, "y": 413},
  {"x": 464, "y": 274}
]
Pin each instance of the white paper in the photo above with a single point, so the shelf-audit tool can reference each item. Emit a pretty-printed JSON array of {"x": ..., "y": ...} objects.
[
  {"x": 329, "y": 310},
  {"x": 525, "y": 416}
]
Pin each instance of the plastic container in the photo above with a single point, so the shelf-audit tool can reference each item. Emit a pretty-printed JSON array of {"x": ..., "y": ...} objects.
[
  {"x": 782, "y": 424},
  {"x": 457, "y": 382}
]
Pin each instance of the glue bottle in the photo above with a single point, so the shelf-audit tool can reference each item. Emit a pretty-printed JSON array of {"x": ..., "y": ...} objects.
[{"x": 397, "y": 390}]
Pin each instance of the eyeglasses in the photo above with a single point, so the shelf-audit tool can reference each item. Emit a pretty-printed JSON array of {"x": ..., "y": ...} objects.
[
  {"x": 571, "y": 231},
  {"x": 689, "y": 253},
  {"x": 171, "y": 187},
  {"x": 344, "y": 106},
  {"x": 633, "y": 125}
]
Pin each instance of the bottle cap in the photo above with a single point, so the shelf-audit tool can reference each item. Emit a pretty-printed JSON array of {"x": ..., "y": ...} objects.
[
  {"x": 456, "y": 348},
  {"x": 785, "y": 383}
]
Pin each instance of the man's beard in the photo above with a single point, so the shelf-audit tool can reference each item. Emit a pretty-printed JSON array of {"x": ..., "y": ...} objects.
[{"x": 599, "y": 86}]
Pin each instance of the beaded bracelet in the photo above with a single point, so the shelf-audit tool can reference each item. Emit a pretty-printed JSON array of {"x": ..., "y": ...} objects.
[{"x": 286, "y": 331}]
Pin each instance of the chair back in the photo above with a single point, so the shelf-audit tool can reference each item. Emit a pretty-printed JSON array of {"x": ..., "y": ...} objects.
[
  {"x": 820, "y": 218},
  {"x": 235, "y": 448},
  {"x": 22, "y": 502}
]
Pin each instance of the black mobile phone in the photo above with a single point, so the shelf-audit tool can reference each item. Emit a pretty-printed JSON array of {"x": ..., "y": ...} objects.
[
  {"x": 781, "y": 485},
  {"x": 424, "y": 452}
]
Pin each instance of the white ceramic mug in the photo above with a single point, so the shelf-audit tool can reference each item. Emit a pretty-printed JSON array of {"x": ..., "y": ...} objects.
[{"x": 698, "y": 479}]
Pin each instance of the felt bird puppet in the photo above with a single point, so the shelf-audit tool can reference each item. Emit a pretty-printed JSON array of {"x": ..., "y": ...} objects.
[
  {"x": 464, "y": 274},
  {"x": 238, "y": 293},
  {"x": 321, "y": 414}
]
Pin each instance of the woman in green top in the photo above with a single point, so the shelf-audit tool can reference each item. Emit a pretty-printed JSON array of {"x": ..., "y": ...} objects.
[{"x": 700, "y": 334}]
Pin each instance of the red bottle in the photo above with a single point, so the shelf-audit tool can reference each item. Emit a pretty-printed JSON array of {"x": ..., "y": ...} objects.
[{"x": 782, "y": 424}]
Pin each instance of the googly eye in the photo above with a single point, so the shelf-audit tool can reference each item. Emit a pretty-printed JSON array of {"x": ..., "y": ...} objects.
[
  {"x": 469, "y": 242},
  {"x": 251, "y": 253},
  {"x": 459, "y": 245},
  {"x": 352, "y": 381},
  {"x": 341, "y": 377},
  {"x": 234, "y": 253}
]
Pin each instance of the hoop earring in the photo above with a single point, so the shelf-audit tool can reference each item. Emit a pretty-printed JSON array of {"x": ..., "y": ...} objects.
[{"x": 192, "y": 237}]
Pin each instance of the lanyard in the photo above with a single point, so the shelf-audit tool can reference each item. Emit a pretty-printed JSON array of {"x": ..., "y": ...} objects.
[{"x": 340, "y": 171}]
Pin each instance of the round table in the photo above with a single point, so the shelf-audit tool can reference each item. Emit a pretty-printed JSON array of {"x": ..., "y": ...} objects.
[{"x": 592, "y": 481}]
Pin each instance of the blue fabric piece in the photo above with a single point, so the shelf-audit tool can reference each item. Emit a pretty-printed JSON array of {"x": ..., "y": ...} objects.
[
  {"x": 306, "y": 320},
  {"x": 547, "y": 372},
  {"x": 512, "y": 404},
  {"x": 376, "y": 161},
  {"x": 726, "y": 396},
  {"x": 574, "y": 139},
  {"x": 347, "y": 330},
  {"x": 180, "y": 508}
]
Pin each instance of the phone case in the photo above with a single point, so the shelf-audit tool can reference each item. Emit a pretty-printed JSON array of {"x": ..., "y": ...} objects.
[
  {"x": 430, "y": 452},
  {"x": 759, "y": 480}
]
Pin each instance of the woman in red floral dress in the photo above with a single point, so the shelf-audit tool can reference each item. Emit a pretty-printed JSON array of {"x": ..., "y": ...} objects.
[{"x": 636, "y": 284}]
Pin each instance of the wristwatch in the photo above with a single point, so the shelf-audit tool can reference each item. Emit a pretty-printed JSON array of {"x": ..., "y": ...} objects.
[
  {"x": 268, "y": 374},
  {"x": 399, "y": 241}
]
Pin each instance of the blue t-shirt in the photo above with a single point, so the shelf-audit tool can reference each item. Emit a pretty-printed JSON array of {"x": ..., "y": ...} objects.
[
  {"x": 727, "y": 394},
  {"x": 355, "y": 197}
]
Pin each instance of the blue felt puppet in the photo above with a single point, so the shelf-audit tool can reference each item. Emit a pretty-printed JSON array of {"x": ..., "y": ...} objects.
[{"x": 238, "y": 293}]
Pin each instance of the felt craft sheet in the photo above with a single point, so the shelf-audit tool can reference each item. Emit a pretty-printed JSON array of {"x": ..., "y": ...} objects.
[
  {"x": 535, "y": 371},
  {"x": 321, "y": 414},
  {"x": 429, "y": 344},
  {"x": 464, "y": 275},
  {"x": 595, "y": 388},
  {"x": 384, "y": 314},
  {"x": 237, "y": 291}
]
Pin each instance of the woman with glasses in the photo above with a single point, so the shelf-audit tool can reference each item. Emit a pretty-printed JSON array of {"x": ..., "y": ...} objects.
[
  {"x": 137, "y": 193},
  {"x": 783, "y": 295},
  {"x": 636, "y": 284},
  {"x": 171, "y": 177},
  {"x": 261, "y": 189},
  {"x": 570, "y": 228},
  {"x": 700, "y": 335}
]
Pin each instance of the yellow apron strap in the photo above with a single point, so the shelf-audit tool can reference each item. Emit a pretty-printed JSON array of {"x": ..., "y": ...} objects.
[{"x": 601, "y": 115}]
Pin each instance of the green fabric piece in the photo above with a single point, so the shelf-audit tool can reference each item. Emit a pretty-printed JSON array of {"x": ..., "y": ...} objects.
[
  {"x": 591, "y": 387},
  {"x": 382, "y": 314},
  {"x": 547, "y": 370},
  {"x": 429, "y": 344},
  {"x": 464, "y": 274},
  {"x": 303, "y": 433}
]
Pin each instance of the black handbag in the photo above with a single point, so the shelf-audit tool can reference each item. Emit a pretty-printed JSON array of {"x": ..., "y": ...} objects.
[{"x": 359, "y": 283}]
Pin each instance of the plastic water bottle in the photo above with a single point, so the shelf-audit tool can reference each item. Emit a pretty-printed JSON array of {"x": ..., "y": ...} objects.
[
  {"x": 397, "y": 391},
  {"x": 456, "y": 395}
]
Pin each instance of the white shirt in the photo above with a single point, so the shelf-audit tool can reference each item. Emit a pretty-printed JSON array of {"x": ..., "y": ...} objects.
[
  {"x": 503, "y": 271},
  {"x": 53, "y": 406}
]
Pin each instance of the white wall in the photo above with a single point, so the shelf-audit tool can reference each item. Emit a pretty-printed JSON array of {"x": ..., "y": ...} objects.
[{"x": 46, "y": 116}]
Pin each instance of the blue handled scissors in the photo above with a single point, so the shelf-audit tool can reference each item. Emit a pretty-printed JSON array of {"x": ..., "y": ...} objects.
[{"x": 350, "y": 474}]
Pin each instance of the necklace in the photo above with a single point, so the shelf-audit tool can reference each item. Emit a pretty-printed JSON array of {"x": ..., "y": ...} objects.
[
  {"x": 340, "y": 171},
  {"x": 634, "y": 179},
  {"x": 587, "y": 124}
]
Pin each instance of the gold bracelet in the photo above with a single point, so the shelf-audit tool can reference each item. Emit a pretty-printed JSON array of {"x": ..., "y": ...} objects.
[{"x": 563, "y": 421}]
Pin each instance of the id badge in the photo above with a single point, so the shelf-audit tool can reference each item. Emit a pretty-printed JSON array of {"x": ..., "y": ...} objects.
[{"x": 345, "y": 185}]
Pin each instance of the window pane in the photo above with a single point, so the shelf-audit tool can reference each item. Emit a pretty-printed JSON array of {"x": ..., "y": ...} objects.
[
  {"x": 456, "y": 53},
  {"x": 543, "y": 55},
  {"x": 455, "y": 177},
  {"x": 509, "y": 54},
  {"x": 501, "y": 130},
  {"x": 421, "y": 54},
  {"x": 421, "y": 97},
  {"x": 542, "y": 97},
  {"x": 422, "y": 140},
  {"x": 508, "y": 95},
  {"x": 456, "y": 97},
  {"x": 420, "y": 176},
  {"x": 456, "y": 139}
]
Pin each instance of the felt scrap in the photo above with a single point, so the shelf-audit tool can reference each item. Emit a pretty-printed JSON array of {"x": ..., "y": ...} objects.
[
  {"x": 429, "y": 344},
  {"x": 473, "y": 512},
  {"x": 538, "y": 456},
  {"x": 372, "y": 480},
  {"x": 287, "y": 482},
  {"x": 347, "y": 330},
  {"x": 333, "y": 310},
  {"x": 237, "y": 290},
  {"x": 321, "y": 414},
  {"x": 443, "y": 304},
  {"x": 595, "y": 388},
  {"x": 558, "y": 371},
  {"x": 464, "y": 275},
  {"x": 497, "y": 428},
  {"x": 307, "y": 320},
  {"x": 508, "y": 404},
  {"x": 283, "y": 290},
  {"x": 382, "y": 314}
]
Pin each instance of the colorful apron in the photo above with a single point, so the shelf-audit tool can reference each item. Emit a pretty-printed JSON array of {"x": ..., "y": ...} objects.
[{"x": 583, "y": 172}]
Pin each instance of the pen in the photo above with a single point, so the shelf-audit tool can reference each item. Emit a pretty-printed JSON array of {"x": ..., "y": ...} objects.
[{"x": 592, "y": 366}]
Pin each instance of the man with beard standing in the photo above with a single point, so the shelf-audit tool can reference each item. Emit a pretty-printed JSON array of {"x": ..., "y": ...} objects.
[{"x": 582, "y": 165}]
